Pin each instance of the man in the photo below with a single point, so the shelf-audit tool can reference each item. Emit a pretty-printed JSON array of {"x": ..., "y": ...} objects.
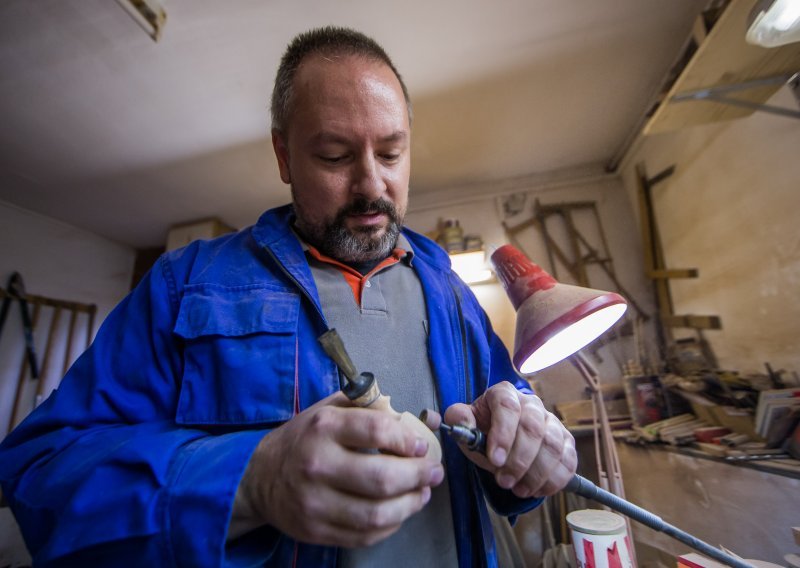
[{"x": 205, "y": 425}]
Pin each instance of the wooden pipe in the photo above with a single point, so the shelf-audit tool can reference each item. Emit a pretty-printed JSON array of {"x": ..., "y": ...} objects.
[
  {"x": 382, "y": 403},
  {"x": 363, "y": 391}
]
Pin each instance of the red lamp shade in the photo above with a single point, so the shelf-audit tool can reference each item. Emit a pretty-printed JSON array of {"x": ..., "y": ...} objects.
[{"x": 554, "y": 320}]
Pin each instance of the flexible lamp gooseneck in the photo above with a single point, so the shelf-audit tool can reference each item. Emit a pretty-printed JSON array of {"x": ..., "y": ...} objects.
[{"x": 555, "y": 321}]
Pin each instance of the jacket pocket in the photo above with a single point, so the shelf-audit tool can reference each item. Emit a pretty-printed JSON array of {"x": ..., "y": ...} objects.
[{"x": 239, "y": 356}]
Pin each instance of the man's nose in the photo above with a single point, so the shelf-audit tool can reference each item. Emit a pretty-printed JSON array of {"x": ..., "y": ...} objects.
[{"x": 367, "y": 180}]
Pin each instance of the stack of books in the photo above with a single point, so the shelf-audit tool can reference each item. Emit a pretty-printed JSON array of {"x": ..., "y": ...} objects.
[{"x": 777, "y": 414}]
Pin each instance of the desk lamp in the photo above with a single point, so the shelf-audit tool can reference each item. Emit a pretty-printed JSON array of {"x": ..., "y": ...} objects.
[{"x": 555, "y": 321}]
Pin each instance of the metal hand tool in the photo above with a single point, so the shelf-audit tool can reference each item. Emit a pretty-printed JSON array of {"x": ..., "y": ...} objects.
[{"x": 475, "y": 440}]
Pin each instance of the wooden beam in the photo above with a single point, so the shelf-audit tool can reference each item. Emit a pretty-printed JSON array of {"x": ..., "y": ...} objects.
[
  {"x": 694, "y": 322},
  {"x": 551, "y": 208},
  {"x": 661, "y": 176},
  {"x": 724, "y": 58},
  {"x": 668, "y": 273},
  {"x": 53, "y": 303}
]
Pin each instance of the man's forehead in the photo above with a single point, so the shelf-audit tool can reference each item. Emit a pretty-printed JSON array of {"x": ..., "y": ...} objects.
[
  {"x": 336, "y": 91},
  {"x": 334, "y": 62},
  {"x": 323, "y": 68},
  {"x": 331, "y": 137}
]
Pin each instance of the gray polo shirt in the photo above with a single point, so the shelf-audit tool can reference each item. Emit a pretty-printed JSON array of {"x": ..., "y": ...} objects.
[{"x": 382, "y": 320}]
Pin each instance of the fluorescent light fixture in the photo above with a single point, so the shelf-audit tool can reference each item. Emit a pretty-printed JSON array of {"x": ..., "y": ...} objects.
[
  {"x": 774, "y": 23},
  {"x": 149, "y": 14},
  {"x": 471, "y": 266}
]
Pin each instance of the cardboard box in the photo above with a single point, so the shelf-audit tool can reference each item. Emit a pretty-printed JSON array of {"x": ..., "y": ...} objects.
[
  {"x": 739, "y": 420},
  {"x": 184, "y": 233},
  {"x": 704, "y": 412}
]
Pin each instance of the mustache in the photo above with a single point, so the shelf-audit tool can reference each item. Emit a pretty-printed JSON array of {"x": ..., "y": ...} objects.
[{"x": 361, "y": 206}]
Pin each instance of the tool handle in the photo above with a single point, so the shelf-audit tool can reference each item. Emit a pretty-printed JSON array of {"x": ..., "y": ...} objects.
[
  {"x": 363, "y": 391},
  {"x": 361, "y": 388}
]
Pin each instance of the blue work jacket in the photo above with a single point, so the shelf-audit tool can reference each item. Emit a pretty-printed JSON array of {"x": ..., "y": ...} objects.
[{"x": 135, "y": 459}]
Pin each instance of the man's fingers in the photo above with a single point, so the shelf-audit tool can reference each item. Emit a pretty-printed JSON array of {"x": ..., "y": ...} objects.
[
  {"x": 380, "y": 476},
  {"x": 460, "y": 413},
  {"x": 368, "y": 429},
  {"x": 554, "y": 465},
  {"x": 528, "y": 449},
  {"x": 505, "y": 408},
  {"x": 377, "y": 516},
  {"x": 527, "y": 444},
  {"x": 353, "y": 521}
]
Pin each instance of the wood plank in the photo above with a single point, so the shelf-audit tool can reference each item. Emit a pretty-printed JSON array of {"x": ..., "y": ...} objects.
[
  {"x": 645, "y": 214},
  {"x": 699, "y": 31},
  {"x": 668, "y": 273},
  {"x": 724, "y": 58},
  {"x": 694, "y": 322},
  {"x": 550, "y": 208},
  {"x": 53, "y": 303}
]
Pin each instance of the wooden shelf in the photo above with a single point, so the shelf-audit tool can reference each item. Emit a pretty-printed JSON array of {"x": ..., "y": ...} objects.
[
  {"x": 785, "y": 467},
  {"x": 724, "y": 58}
]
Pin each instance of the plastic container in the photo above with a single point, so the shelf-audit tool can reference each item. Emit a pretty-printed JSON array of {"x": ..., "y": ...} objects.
[{"x": 600, "y": 539}]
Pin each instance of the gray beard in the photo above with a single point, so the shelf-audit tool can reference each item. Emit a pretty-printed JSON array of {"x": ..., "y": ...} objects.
[
  {"x": 359, "y": 246},
  {"x": 336, "y": 241}
]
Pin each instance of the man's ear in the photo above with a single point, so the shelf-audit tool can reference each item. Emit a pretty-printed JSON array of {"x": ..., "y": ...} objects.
[{"x": 282, "y": 154}]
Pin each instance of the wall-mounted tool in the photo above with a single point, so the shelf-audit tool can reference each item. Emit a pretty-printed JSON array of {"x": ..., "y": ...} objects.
[
  {"x": 16, "y": 291},
  {"x": 149, "y": 14},
  {"x": 43, "y": 373},
  {"x": 363, "y": 391}
]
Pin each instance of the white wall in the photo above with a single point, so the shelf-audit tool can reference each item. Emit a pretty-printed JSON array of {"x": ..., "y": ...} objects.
[
  {"x": 61, "y": 262},
  {"x": 731, "y": 210},
  {"x": 747, "y": 511},
  {"x": 57, "y": 261},
  {"x": 480, "y": 213}
]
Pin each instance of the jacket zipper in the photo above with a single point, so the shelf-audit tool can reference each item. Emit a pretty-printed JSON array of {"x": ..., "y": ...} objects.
[
  {"x": 305, "y": 293},
  {"x": 297, "y": 284},
  {"x": 464, "y": 356}
]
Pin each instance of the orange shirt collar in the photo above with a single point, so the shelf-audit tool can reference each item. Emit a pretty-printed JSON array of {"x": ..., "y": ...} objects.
[{"x": 353, "y": 277}]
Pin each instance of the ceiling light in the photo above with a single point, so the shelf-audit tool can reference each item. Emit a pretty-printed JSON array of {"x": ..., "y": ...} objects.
[
  {"x": 471, "y": 267},
  {"x": 774, "y": 23}
]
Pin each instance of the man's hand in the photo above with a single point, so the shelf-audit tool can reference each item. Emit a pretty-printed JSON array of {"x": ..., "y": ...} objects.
[
  {"x": 318, "y": 480},
  {"x": 527, "y": 449}
]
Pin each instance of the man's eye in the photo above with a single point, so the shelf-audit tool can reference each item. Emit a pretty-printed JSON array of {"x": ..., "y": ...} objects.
[
  {"x": 390, "y": 157},
  {"x": 332, "y": 159}
]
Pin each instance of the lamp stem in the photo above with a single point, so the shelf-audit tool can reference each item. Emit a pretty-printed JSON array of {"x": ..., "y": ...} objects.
[
  {"x": 604, "y": 438},
  {"x": 612, "y": 471}
]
